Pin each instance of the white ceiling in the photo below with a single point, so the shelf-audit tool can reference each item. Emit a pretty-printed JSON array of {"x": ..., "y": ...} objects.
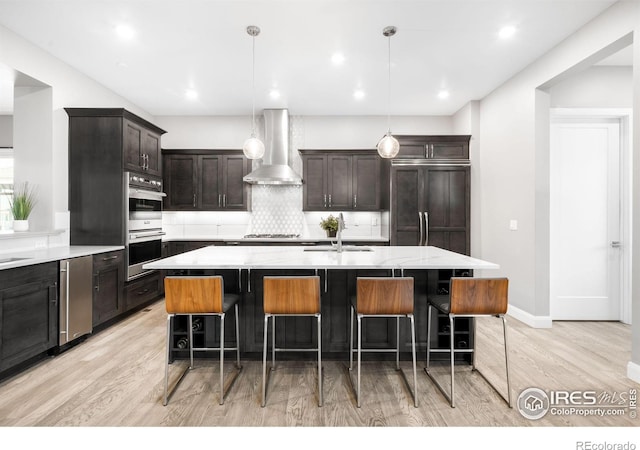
[{"x": 203, "y": 44}]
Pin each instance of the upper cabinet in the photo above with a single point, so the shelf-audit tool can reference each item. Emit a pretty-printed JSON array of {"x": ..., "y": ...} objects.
[
  {"x": 454, "y": 147},
  {"x": 141, "y": 149},
  {"x": 205, "y": 180},
  {"x": 344, "y": 180},
  {"x": 125, "y": 137}
]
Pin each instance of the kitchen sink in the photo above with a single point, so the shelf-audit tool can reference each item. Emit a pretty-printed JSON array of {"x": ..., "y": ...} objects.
[
  {"x": 333, "y": 248},
  {"x": 9, "y": 260}
]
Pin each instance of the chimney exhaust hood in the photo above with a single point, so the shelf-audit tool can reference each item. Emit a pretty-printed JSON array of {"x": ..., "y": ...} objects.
[{"x": 275, "y": 167}]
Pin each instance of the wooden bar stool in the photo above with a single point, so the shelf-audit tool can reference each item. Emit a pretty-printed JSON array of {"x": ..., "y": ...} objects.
[
  {"x": 203, "y": 296},
  {"x": 290, "y": 296},
  {"x": 471, "y": 297},
  {"x": 383, "y": 297}
]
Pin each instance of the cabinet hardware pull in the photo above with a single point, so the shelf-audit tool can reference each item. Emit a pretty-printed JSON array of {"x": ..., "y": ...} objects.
[
  {"x": 421, "y": 229},
  {"x": 355, "y": 201},
  {"x": 224, "y": 200},
  {"x": 324, "y": 200},
  {"x": 194, "y": 200},
  {"x": 426, "y": 228},
  {"x": 329, "y": 200},
  {"x": 109, "y": 258},
  {"x": 219, "y": 200}
]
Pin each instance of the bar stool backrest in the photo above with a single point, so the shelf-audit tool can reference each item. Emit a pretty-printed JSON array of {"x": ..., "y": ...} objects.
[
  {"x": 384, "y": 295},
  {"x": 478, "y": 295},
  {"x": 193, "y": 295},
  {"x": 291, "y": 295}
]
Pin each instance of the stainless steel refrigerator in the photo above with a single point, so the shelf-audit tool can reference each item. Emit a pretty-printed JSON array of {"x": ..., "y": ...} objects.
[{"x": 76, "y": 298}]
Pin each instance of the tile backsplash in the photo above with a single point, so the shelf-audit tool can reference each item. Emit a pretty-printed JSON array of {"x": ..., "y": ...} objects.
[{"x": 275, "y": 210}]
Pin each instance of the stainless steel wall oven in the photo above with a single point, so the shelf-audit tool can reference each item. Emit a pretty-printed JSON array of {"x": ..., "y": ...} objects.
[{"x": 144, "y": 222}]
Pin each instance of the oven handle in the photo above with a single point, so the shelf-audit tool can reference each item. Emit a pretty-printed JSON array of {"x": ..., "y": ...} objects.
[
  {"x": 146, "y": 194},
  {"x": 142, "y": 237}
]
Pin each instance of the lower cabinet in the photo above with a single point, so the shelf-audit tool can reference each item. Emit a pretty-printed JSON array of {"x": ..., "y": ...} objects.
[
  {"x": 142, "y": 290},
  {"x": 28, "y": 312},
  {"x": 108, "y": 285}
]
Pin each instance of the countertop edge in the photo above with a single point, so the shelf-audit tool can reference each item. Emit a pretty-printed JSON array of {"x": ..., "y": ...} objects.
[{"x": 49, "y": 254}]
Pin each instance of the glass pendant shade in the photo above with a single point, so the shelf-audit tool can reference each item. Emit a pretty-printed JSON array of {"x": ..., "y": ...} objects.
[
  {"x": 253, "y": 148},
  {"x": 388, "y": 146}
]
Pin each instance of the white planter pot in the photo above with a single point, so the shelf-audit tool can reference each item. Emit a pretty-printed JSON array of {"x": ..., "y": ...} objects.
[{"x": 20, "y": 225}]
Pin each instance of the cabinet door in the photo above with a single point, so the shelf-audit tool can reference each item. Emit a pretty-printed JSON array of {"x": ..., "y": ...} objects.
[
  {"x": 108, "y": 279},
  {"x": 208, "y": 180},
  {"x": 448, "y": 205},
  {"x": 314, "y": 173},
  {"x": 180, "y": 174},
  {"x": 406, "y": 204},
  {"x": 366, "y": 182},
  {"x": 234, "y": 189},
  {"x": 339, "y": 184},
  {"x": 132, "y": 148},
  {"x": 449, "y": 149},
  {"x": 28, "y": 312},
  {"x": 151, "y": 152},
  {"x": 142, "y": 290}
]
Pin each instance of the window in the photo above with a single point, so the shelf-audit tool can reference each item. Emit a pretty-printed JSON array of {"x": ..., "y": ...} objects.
[{"x": 6, "y": 187}]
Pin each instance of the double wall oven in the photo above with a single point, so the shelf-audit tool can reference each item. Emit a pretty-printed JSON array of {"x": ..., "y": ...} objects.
[{"x": 144, "y": 222}]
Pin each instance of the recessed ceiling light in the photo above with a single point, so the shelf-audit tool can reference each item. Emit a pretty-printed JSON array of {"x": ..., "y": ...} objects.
[
  {"x": 125, "y": 31},
  {"x": 507, "y": 31},
  {"x": 274, "y": 94},
  {"x": 337, "y": 58},
  {"x": 443, "y": 94},
  {"x": 191, "y": 94},
  {"x": 358, "y": 94}
]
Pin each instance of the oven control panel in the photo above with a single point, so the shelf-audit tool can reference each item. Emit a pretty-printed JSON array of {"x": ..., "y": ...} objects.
[{"x": 145, "y": 182}]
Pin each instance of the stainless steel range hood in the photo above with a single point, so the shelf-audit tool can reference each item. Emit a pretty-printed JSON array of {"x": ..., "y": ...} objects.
[{"x": 275, "y": 167}]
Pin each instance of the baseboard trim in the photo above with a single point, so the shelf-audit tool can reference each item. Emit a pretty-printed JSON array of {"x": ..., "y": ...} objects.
[
  {"x": 528, "y": 318},
  {"x": 633, "y": 371}
]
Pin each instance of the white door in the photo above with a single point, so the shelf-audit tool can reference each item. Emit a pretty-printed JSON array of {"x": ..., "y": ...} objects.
[{"x": 585, "y": 282}]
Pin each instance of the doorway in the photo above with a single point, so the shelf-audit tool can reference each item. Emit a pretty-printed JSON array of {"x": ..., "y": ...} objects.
[{"x": 587, "y": 221}]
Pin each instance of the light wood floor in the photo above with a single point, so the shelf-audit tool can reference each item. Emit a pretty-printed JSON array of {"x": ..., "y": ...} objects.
[{"x": 115, "y": 378}]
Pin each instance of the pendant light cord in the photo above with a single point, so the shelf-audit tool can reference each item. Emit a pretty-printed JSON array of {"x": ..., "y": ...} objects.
[
  {"x": 253, "y": 89},
  {"x": 389, "y": 91}
]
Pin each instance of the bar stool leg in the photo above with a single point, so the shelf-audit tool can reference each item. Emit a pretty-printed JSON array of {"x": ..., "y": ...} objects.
[
  {"x": 320, "y": 399},
  {"x": 237, "y": 338},
  {"x": 398, "y": 343},
  {"x": 166, "y": 366},
  {"x": 222, "y": 358},
  {"x": 413, "y": 352},
  {"x": 273, "y": 342},
  {"x": 190, "y": 324},
  {"x": 264, "y": 360},
  {"x": 506, "y": 359},
  {"x": 428, "y": 336},
  {"x": 359, "y": 358},
  {"x": 351, "y": 339},
  {"x": 452, "y": 354}
]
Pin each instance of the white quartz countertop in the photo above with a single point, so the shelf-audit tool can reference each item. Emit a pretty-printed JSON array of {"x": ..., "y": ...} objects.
[
  {"x": 38, "y": 256},
  {"x": 303, "y": 257}
]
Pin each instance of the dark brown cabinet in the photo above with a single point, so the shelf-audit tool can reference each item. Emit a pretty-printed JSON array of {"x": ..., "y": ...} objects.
[
  {"x": 142, "y": 290},
  {"x": 108, "y": 285},
  {"x": 454, "y": 147},
  {"x": 28, "y": 313},
  {"x": 344, "y": 180},
  {"x": 206, "y": 180},
  {"x": 430, "y": 205},
  {"x": 141, "y": 148}
]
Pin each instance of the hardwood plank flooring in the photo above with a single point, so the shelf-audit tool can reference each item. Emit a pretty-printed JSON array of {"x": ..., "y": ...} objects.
[{"x": 115, "y": 379}]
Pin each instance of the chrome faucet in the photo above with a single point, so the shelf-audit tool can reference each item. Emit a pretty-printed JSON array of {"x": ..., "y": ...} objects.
[{"x": 339, "y": 234}]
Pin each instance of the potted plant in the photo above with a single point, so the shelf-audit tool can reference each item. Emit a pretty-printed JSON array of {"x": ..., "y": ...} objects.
[
  {"x": 21, "y": 205},
  {"x": 330, "y": 225}
]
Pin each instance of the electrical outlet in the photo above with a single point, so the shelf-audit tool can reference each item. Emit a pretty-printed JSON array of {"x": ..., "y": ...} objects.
[
  {"x": 513, "y": 224},
  {"x": 374, "y": 221}
]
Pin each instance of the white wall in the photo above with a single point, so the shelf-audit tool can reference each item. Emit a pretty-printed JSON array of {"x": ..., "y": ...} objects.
[
  {"x": 514, "y": 154},
  {"x": 595, "y": 87},
  {"x": 69, "y": 88},
  {"x": 6, "y": 131}
]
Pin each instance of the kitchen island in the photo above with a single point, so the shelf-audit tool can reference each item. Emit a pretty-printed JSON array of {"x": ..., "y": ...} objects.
[{"x": 244, "y": 267}]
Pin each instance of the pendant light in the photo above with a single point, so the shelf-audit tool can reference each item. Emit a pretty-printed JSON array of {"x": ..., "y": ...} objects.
[
  {"x": 388, "y": 146},
  {"x": 253, "y": 147}
]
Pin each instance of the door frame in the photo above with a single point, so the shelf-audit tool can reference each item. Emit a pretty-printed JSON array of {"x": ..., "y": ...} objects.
[{"x": 624, "y": 116}]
